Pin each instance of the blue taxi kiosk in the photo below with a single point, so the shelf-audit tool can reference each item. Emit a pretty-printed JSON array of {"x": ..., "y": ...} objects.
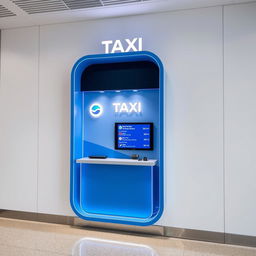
[{"x": 117, "y": 110}]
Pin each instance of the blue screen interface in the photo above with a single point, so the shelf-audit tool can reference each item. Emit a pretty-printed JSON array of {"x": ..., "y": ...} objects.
[{"x": 134, "y": 136}]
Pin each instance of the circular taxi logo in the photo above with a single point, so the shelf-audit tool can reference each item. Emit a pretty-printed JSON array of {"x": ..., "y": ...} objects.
[{"x": 96, "y": 110}]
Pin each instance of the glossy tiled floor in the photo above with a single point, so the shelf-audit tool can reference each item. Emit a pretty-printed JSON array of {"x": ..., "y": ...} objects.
[{"x": 24, "y": 238}]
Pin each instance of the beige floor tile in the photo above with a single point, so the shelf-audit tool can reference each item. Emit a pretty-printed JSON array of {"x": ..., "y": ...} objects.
[
  {"x": 195, "y": 248},
  {"x": 65, "y": 243},
  {"x": 28, "y": 225},
  {"x": 15, "y": 251},
  {"x": 42, "y": 253},
  {"x": 17, "y": 237},
  {"x": 42, "y": 239},
  {"x": 45, "y": 241}
]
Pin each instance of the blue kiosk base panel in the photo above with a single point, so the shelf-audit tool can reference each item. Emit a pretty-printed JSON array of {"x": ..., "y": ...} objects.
[{"x": 117, "y": 190}]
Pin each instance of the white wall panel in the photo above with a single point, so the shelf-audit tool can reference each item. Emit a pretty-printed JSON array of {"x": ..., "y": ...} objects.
[
  {"x": 194, "y": 120},
  {"x": 190, "y": 45},
  {"x": 19, "y": 119},
  {"x": 240, "y": 118}
]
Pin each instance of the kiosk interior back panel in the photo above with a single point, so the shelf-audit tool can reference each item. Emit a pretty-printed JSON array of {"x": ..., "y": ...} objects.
[
  {"x": 116, "y": 189},
  {"x": 119, "y": 191},
  {"x": 99, "y": 133}
]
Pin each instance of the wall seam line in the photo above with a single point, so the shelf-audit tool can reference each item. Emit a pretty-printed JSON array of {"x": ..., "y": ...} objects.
[
  {"x": 223, "y": 102},
  {"x": 38, "y": 105},
  {"x": 0, "y": 58}
]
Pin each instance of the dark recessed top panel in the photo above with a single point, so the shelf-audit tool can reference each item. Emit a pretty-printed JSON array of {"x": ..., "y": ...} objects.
[{"x": 120, "y": 76}]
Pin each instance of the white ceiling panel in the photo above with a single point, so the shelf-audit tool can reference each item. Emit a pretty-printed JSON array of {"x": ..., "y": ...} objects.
[
  {"x": 4, "y": 12},
  {"x": 74, "y": 4},
  {"x": 20, "y": 13},
  {"x": 39, "y": 6}
]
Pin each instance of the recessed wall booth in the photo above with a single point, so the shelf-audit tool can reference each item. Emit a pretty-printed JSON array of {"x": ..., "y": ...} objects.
[{"x": 117, "y": 138}]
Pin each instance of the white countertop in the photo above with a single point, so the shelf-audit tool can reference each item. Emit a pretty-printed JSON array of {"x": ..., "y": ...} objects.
[{"x": 116, "y": 161}]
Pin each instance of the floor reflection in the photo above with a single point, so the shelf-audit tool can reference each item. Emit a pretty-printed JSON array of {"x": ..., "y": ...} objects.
[
  {"x": 26, "y": 238},
  {"x": 100, "y": 247}
]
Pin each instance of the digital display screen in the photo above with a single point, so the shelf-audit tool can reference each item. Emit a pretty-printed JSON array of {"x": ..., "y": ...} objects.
[{"x": 134, "y": 136}]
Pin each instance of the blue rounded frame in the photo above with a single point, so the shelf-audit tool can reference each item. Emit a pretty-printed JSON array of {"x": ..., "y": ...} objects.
[{"x": 75, "y": 150}]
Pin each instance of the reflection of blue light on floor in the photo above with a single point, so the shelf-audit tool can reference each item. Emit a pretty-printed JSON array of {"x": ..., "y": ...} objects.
[{"x": 100, "y": 247}]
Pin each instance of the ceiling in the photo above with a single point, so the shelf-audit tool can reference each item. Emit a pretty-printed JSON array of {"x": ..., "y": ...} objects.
[{"x": 18, "y": 13}]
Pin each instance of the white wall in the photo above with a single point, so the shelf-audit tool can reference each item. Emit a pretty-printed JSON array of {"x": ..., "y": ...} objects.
[
  {"x": 192, "y": 59},
  {"x": 194, "y": 39},
  {"x": 19, "y": 119},
  {"x": 240, "y": 118},
  {"x": 190, "y": 44}
]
